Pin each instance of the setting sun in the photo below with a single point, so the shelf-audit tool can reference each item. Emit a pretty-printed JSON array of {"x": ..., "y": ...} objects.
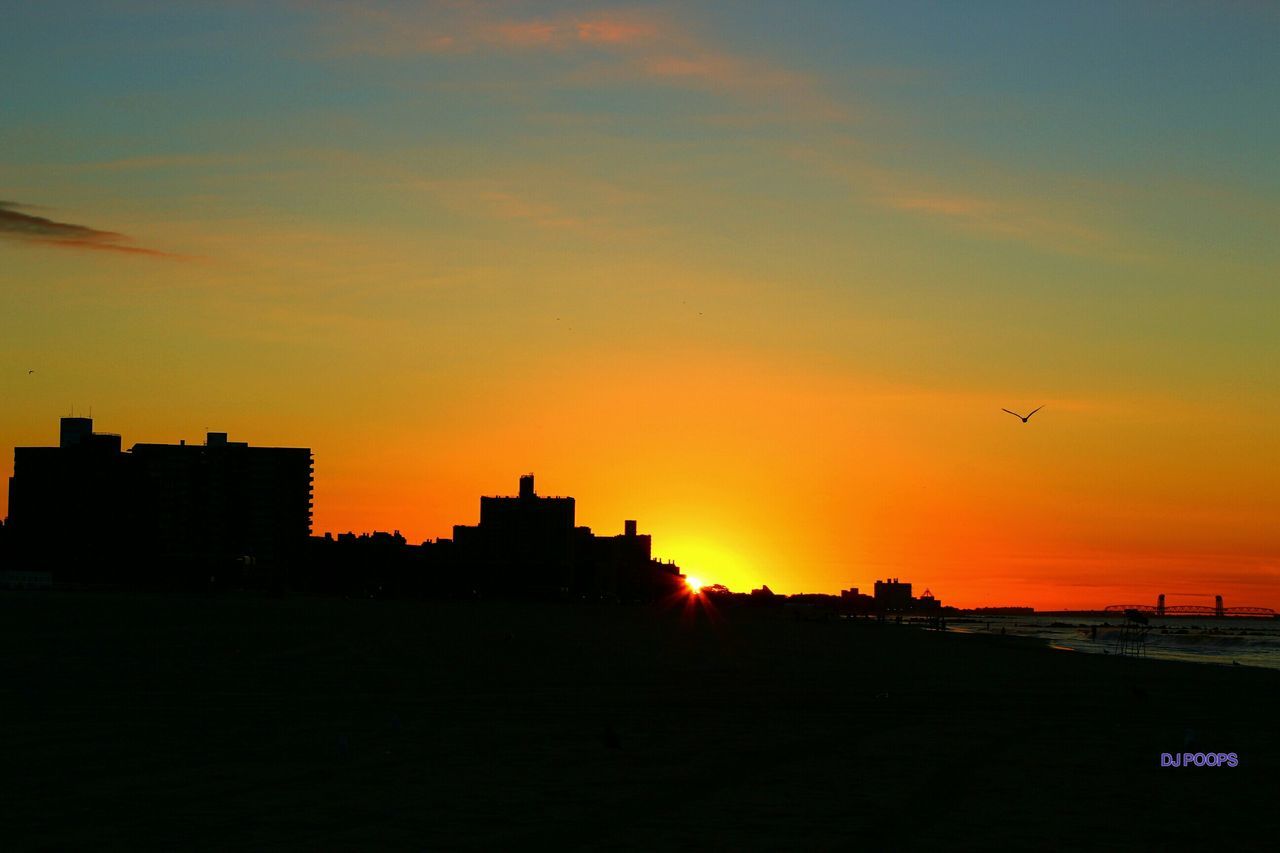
[
  {"x": 563, "y": 423},
  {"x": 685, "y": 276}
]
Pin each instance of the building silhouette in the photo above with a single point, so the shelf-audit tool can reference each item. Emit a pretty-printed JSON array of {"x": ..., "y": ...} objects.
[
  {"x": 853, "y": 601},
  {"x": 166, "y": 513},
  {"x": 890, "y": 595},
  {"x": 224, "y": 500},
  {"x": 70, "y": 505},
  {"x": 377, "y": 564},
  {"x": 531, "y": 545},
  {"x": 523, "y": 544},
  {"x": 927, "y": 602},
  {"x": 894, "y": 596},
  {"x": 227, "y": 514},
  {"x": 622, "y": 567}
]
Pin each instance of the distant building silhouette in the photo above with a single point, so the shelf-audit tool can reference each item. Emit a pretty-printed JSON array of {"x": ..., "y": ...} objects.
[
  {"x": 224, "y": 500},
  {"x": 71, "y": 504},
  {"x": 523, "y": 544},
  {"x": 852, "y": 601},
  {"x": 377, "y": 564},
  {"x": 927, "y": 602},
  {"x": 226, "y": 514},
  {"x": 531, "y": 545},
  {"x": 167, "y": 513},
  {"x": 892, "y": 596},
  {"x": 622, "y": 567}
]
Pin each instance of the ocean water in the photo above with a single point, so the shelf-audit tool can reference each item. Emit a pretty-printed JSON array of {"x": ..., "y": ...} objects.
[{"x": 1230, "y": 642}]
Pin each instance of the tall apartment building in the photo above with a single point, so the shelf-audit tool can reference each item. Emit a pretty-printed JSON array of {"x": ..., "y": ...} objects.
[{"x": 88, "y": 510}]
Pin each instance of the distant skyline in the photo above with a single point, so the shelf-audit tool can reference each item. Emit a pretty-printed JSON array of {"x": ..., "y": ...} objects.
[{"x": 760, "y": 275}]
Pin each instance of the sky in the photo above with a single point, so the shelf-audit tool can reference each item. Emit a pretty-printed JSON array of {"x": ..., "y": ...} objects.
[{"x": 759, "y": 275}]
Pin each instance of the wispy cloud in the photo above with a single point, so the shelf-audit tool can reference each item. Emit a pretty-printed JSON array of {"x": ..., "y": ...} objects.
[
  {"x": 38, "y": 230},
  {"x": 510, "y": 206},
  {"x": 484, "y": 198},
  {"x": 471, "y": 27},
  {"x": 613, "y": 46},
  {"x": 156, "y": 162},
  {"x": 1050, "y": 218},
  {"x": 1004, "y": 218},
  {"x": 568, "y": 32},
  {"x": 699, "y": 65}
]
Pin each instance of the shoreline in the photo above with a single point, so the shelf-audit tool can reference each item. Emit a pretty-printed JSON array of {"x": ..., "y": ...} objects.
[{"x": 1219, "y": 643}]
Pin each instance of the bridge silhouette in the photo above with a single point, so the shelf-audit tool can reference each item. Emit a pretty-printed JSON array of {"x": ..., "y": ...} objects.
[{"x": 1218, "y": 610}]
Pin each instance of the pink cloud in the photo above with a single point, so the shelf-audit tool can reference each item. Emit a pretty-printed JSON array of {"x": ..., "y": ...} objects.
[
  {"x": 468, "y": 27},
  {"x": 622, "y": 45},
  {"x": 565, "y": 32},
  {"x": 613, "y": 31},
  {"x": 699, "y": 67}
]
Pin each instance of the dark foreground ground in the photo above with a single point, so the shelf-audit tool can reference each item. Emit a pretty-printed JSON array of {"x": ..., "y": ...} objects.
[{"x": 256, "y": 723}]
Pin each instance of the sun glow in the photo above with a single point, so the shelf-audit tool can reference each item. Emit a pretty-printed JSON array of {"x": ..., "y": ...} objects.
[{"x": 694, "y": 585}]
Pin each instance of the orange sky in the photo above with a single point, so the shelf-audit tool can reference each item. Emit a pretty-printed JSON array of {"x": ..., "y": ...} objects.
[{"x": 761, "y": 281}]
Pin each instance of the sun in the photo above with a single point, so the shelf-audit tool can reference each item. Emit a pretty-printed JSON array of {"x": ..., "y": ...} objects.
[{"x": 694, "y": 585}]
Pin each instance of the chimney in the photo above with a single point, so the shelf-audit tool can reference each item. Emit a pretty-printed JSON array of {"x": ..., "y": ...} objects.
[{"x": 526, "y": 486}]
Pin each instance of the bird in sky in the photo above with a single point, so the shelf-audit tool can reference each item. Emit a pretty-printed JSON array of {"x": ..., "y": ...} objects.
[
  {"x": 29, "y": 372},
  {"x": 1027, "y": 417}
]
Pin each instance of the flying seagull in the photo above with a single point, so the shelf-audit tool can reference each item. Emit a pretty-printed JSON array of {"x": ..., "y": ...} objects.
[{"x": 1028, "y": 416}]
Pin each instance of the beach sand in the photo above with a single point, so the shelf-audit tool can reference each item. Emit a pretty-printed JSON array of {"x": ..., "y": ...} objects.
[{"x": 241, "y": 722}]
